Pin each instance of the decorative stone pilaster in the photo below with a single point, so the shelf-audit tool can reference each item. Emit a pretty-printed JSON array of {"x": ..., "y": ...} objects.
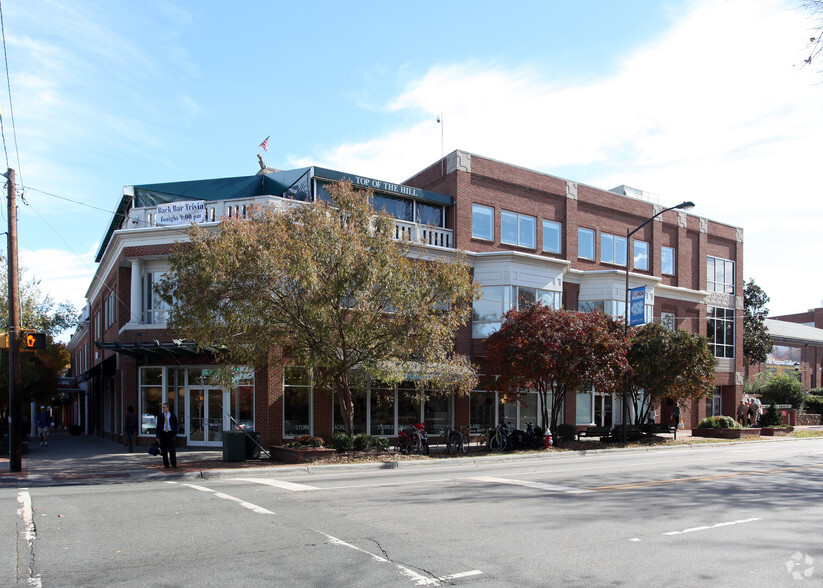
[{"x": 136, "y": 310}]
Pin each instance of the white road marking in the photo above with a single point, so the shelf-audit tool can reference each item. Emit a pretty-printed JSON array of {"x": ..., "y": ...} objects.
[
  {"x": 537, "y": 485},
  {"x": 243, "y": 503},
  {"x": 279, "y": 484},
  {"x": 462, "y": 575},
  {"x": 707, "y": 527},
  {"x": 418, "y": 579},
  {"x": 29, "y": 534}
]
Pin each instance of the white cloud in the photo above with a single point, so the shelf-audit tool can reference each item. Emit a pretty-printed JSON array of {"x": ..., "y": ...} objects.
[
  {"x": 716, "y": 111},
  {"x": 64, "y": 275}
]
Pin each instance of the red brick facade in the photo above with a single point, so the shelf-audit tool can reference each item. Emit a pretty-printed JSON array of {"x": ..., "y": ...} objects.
[{"x": 112, "y": 374}]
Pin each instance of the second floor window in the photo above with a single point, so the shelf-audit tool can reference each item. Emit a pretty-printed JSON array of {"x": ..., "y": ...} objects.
[
  {"x": 517, "y": 229},
  {"x": 612, "y": 249},
  {"x": 720, "y": 331},
  {"x": 156, "y": 311},
  {"x": 719, "y": 275}
]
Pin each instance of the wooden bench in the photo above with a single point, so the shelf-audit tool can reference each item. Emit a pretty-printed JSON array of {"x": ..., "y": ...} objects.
[
  {"x": 655, "y": 428},
  {"x": 593, "y": 432},
  {"x": 633, "y": 433}
]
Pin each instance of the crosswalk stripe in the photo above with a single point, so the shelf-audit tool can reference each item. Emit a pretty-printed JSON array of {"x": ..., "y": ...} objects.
[{"x": 279, "y": 484}]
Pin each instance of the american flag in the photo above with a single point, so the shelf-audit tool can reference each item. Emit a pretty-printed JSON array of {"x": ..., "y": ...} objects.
[{"x": 265, "y": 144}]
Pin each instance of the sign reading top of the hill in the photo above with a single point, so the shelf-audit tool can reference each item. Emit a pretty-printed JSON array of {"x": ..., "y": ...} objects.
[
  {"x": 385, "y": 186},
  {"x": 181, "y": 213}
]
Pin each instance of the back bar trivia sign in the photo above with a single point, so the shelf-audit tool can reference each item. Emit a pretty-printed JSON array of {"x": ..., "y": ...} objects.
[{"x": 181, "y": 213}]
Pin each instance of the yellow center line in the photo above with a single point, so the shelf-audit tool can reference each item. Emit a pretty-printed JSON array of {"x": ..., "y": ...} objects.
[{"x": 702, "y": 478}]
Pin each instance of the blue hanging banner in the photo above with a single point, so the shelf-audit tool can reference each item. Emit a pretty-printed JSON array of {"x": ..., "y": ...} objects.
[{"x": 637, "y": 306}]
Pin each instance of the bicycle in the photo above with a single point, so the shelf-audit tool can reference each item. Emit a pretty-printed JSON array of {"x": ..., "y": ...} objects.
[
  {"x": 413, "y": 440},
  {"x": 497, "y": 439},
  {"x": 456, "y": 440}
]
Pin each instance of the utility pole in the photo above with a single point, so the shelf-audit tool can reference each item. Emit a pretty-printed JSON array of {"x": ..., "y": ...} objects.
[{"x": 15, "y": 416}]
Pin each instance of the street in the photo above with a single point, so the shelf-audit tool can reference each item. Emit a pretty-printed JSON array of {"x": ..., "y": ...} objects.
[{"x": 743, "y": 514}]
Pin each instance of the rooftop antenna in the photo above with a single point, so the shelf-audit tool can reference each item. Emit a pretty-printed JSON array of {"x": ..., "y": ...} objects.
[{"x": 442, "y": 160}]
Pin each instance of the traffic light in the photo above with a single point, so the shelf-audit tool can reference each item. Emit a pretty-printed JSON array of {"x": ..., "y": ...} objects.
[{"x": 32, "y": 340}]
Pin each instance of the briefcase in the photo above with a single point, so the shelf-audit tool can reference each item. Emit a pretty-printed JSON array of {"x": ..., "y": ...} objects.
[{"x": 154, "y": 448}]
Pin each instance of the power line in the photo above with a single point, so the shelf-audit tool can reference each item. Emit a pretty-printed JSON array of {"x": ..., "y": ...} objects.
[
  {"x": 68, "y": 199},
  {"x": 11, "y": 103}
]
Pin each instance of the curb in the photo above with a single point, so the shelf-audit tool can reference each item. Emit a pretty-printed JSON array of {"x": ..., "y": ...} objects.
[{"x": 284, "y": 471}]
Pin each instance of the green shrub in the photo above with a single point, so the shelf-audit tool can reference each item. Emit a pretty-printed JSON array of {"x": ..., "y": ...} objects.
[
  {"x": 772, "y": 417},
  {"x": 783, "y": 389},
  {"x": 379, "y": 443},
  {"x": 814, "y": 402},
  {"x": 339, "y": 441},
  {"x": 566, "y": 432},
  {"x": 362, "y": 442},
  {"x": 718, "y": 422}
]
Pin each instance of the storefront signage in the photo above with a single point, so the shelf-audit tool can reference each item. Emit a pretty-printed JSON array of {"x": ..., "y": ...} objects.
[
  {"x": 384, "y": 186},
  {"x": 181, "y": 213}
]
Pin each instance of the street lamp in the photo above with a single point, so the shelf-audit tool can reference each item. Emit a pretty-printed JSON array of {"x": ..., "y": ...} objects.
[{"x": 688, "y": 205}]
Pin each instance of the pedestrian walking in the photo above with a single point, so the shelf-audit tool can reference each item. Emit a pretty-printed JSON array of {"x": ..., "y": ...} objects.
[
  {"x": 742, "y": 412},
  {"x": 676, "y": 415},
  {"x": 131, "y": 428},
  {"x": 166, "y": 432},
  {"x": 43, "y": 421}
]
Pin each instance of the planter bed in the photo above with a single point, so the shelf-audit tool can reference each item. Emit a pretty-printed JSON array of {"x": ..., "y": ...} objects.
[
  {"x": 295, "y": 455},
  {"x": 771, "y": 431},
  {"x": 725, "y": 433}
]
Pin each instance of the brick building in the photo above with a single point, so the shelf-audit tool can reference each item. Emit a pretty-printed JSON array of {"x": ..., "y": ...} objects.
[{"x": 528, "y": 236}]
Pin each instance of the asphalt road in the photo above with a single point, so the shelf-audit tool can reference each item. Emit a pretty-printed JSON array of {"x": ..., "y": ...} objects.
[{"x": 733, "y": 515}]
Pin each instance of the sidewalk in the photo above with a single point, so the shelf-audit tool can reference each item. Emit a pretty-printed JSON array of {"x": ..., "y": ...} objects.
[{"x": 88, "y": 459}]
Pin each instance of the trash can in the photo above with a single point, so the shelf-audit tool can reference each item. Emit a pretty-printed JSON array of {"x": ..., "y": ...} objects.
[
  {"x": 234, "y": 446},
  {"x": 252, "y": 444}
]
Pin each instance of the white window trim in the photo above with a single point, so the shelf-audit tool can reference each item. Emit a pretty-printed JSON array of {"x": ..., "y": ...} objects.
[
  {"x": 490, "y": 210},
  {"x": 519, "y": 218},
  {"x": 674, "y": 261},
  {"x": 634, "y": 255},
  {"x": 594, "y": 248},
  {"x": 559, "y": 227}
]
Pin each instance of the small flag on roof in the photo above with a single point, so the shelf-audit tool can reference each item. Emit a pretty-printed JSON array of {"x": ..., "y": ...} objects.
[{"x": 265, "y": 144}]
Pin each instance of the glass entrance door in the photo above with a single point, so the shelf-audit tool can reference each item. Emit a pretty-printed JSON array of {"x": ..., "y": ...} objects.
[
  {"x": 206, "y": 416},
  {"x": 603, "y": 411}
]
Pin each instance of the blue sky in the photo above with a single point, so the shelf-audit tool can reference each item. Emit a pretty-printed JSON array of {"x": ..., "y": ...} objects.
[{"x": 702, "y": 100}]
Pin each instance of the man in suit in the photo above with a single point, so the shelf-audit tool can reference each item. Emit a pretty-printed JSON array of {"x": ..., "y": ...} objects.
[{"x": 166, "y": 432}]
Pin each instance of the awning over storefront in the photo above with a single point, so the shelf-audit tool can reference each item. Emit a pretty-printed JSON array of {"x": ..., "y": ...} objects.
[{"x": 155, "y": 349}]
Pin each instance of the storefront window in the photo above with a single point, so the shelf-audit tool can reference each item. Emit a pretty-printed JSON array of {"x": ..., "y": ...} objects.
[
  {"x": 585, "y": 412},
  {"x": 359, "y": 399},
  {"x": 408, "y": 405},
  {"x": 528, "y": 411},
  {"x": 296, "y": 402},
  {"x": 151, "y": 398},
  {"x": 482, "y": 413},
  {"x": 437, "y": 414},
  {"x": 382, "y": 411}
]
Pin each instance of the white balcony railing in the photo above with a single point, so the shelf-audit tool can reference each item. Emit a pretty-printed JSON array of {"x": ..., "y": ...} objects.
[
  {"x": 423, "y": 234},
  {"x": 140, "y": 218}
]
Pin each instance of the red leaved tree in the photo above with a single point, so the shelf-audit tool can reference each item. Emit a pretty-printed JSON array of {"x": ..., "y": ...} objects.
[{"x": 556, "y": 352}]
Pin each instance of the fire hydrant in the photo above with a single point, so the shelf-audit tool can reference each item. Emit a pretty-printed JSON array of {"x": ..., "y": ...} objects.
[{"x": 547, "y": 440}]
